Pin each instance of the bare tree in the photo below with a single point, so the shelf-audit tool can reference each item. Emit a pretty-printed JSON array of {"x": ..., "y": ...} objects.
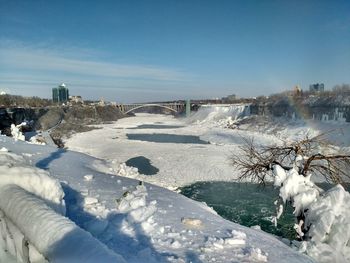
[{"x": 319, "y": 157}]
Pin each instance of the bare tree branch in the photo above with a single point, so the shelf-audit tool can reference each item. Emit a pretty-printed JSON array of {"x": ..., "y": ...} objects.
[{"x": 255, "y": 162}]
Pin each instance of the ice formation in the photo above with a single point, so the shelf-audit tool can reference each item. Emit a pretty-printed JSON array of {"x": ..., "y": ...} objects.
[
  {"x": 326, "y": 229},
  {"x": 16, "y": 133},
  {"x": 222, "y": 116}
]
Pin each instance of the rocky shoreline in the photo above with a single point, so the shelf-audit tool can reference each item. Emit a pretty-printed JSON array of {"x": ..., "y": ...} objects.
[{"x": 59, "y": 121}]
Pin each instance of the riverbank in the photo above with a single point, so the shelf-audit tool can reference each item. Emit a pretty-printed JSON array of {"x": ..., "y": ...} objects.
[
  {"x": 131, "y": 221},
  {"x": 60, "y": 122}
]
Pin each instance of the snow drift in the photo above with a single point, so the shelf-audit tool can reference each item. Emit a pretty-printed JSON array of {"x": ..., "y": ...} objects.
[
  {"x": 32, "y": 225},
  {"x": 14, "y": 170},
  {"x": 56, "y": 237}
]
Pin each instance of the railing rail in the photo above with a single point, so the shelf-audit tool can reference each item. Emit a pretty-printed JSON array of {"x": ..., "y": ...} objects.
[{"x": 29, "y": 223}]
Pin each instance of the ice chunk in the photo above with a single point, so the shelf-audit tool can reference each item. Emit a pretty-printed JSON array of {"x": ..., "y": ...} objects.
[
  {"x": 88, "y": 177},
  {"x": 192, "y": 222},
  {"x": 90, "y": 200}
]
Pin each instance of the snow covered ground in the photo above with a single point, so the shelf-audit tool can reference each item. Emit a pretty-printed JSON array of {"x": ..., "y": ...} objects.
[
  {"x": 140, "y": 222},
  {"x": 182, "y": 164},
  {"x": 179, "y": 164},
  {"x": 132, "y": 221}
]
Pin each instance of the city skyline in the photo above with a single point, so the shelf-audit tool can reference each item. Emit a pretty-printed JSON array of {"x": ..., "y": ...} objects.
[{"x": 133, "y": 51}]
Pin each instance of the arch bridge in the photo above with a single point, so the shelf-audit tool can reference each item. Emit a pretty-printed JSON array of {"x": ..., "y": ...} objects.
[{"x": 174, "y": 107}]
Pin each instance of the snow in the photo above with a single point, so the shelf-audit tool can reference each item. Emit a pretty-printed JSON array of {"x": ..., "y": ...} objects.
[
  {"x": 16, "y": 133},
  {"x": 180, "y": 164},
  {"x": 329, "y": 221},
  {"x": 219, "y": 115},
  {"x": 192, "y": 222},
  {"x": 133, "y": 204},
  {"x": 88, "y": 177},
  {"x": 37, "y": 140},
  {"x": 57, "y": 238},
  {"x": 32, "y": 204},
  {"x": 127, "y": 171},
  {"x": 110, "y": 143},
  {"x": 138, "y": 221},
  {"x": 106, "y": 203},
  {"x": 327, "y": 215},
  {"x": 337, "y": 132},
  {"x": 279, "y": 175},
  {"x": 236, "y": 239},
  {"x": 14, "y": 170},
  {"x": 298, "y": 188}
]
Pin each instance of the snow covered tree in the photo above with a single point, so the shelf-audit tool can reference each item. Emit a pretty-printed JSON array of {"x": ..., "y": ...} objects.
[
  {"x": 322, "y": 217},
  {"x": 317, "y": 155}
]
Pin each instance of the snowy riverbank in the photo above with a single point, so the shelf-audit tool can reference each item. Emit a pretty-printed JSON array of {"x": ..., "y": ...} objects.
[
  {"x": 146, "y": 223},
  {"x": 181, "y": 164}
]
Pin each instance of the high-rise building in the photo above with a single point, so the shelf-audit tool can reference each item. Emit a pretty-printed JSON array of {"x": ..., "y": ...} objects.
[
  {"x": 318, "y": 87},
  {"x": 60, "y": 94},
  {"x": 55, "y": 94}
]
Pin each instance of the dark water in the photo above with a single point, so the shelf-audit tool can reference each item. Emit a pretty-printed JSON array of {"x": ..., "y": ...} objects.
[
  {"x": 153, "y": 126},
  {"x": 166, "y": 138},
  {"x": 143, "y": 164},
  {"x": 245, "y": 204}
]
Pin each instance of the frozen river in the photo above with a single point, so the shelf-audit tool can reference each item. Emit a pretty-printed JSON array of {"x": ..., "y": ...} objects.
[
  {"x": 175, "y": 153},
  {"x": 193, "y": 154}
]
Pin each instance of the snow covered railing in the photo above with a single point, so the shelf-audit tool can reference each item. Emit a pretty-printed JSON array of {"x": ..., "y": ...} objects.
[{"x": 30, "y": 230}]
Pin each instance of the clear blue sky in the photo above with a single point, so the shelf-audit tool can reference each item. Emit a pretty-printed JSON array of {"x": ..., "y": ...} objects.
[{"x": 130, "y": 51}]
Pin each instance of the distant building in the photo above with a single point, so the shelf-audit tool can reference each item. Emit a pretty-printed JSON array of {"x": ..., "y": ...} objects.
[
  {"x": 229, "y": 98},
  {"x": 60, "y": 94},
  {"x": 76, "y": 99},
  {"x": 318, "y": 87}
]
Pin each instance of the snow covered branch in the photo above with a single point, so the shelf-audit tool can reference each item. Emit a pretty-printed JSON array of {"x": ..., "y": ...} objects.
[{"x": 317, "y": 157}]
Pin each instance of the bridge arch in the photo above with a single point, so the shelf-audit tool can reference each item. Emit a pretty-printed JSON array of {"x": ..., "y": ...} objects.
[{"x": 150, "y": 105}]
